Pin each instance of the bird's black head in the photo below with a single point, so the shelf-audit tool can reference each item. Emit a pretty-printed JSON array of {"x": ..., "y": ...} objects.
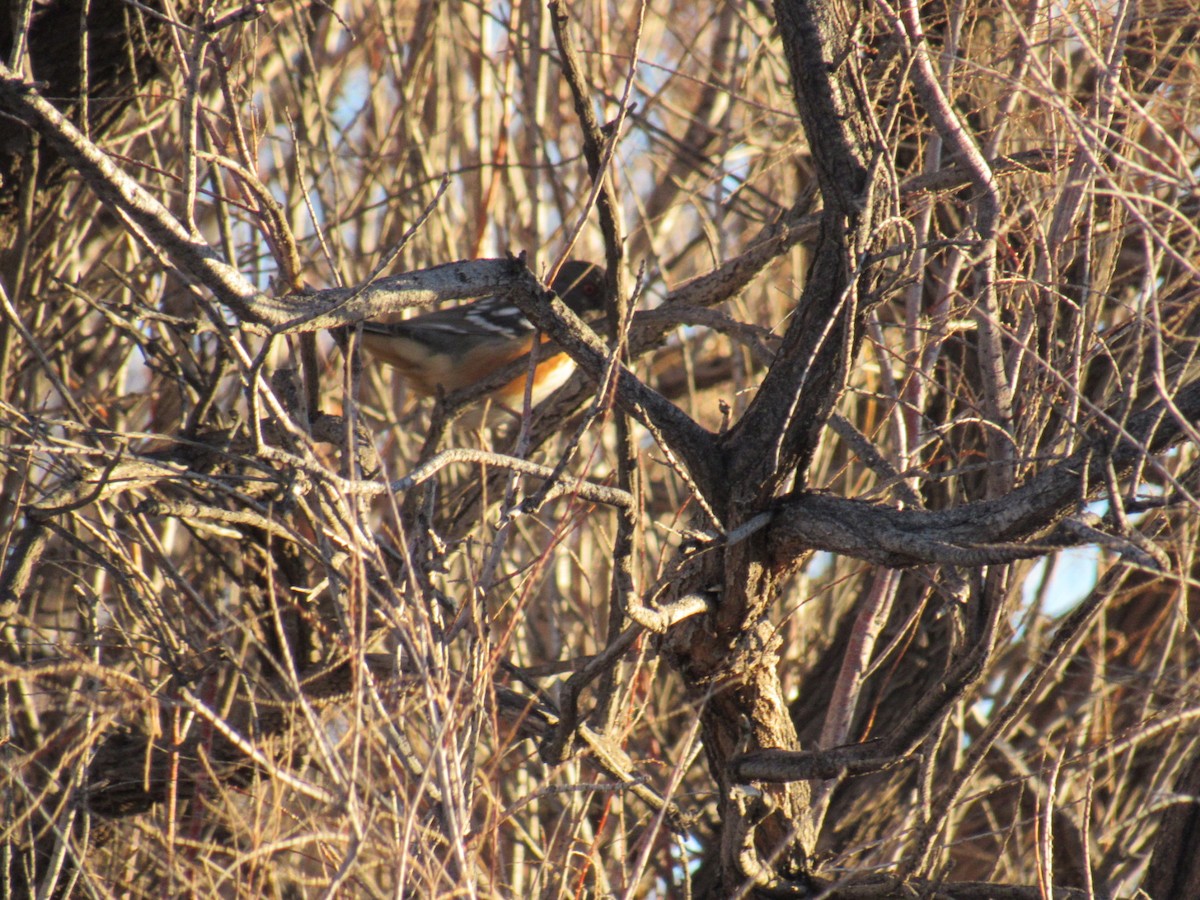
[{"x": 581, "y": 286}]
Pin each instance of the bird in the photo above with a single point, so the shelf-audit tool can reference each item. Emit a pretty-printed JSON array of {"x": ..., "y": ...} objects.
[{"x": 454, "y": 348}]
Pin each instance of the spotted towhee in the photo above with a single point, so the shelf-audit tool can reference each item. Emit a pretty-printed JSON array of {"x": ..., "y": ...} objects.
[{"x": 457, "y": 347}]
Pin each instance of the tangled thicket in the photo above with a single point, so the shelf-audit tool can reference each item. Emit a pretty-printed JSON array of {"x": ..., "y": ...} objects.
[{"x": 763, "y": 603}]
